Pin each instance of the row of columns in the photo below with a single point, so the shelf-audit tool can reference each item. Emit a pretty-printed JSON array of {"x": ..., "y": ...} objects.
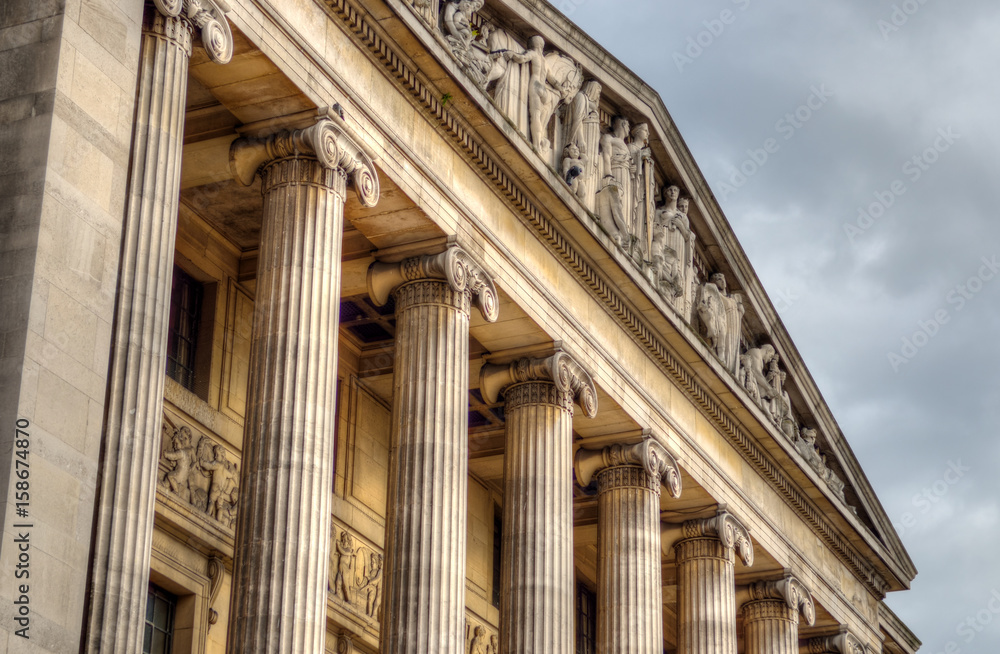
[{"x": 282, "y": 539}]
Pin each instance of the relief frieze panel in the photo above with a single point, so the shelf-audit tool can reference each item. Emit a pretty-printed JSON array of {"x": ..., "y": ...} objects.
[
  {"x": 199, "y": 471},
  {"x": 355, "y": 576},
  {"x": 480, "y": 637}
]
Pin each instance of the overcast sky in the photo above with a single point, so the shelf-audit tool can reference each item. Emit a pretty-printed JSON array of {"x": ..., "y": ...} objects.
[{"x": 890, "y": 85}]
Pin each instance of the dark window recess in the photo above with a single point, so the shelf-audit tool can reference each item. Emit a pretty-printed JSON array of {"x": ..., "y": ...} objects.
[
  {"x": 586, "y": 620},
  {"x": 477, "y": 419},
  {"x": 497, "y": 544},
  {"x": 370, "y": 332},
  {"x": 185, "y": 314},
  {"x": 160, "y": 609}
]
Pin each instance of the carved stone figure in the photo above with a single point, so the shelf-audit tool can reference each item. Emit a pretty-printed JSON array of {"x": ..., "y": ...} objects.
[
  {"x": 223, "y": 489},
  {"x": 472, "y": 53},
  {"x": 343, "y": 581},
  {"x": 780, "y": 404},
  {"x": 609, "y": 209},
  {"x": 642, "y": 194},
  {"x": 573, "y": 166},
  {"x": 494, "y": 645},
  {"x": 583, "y": 129},
  {"x": 722, "y": 316},
  {"x": 373, "y": 586},
  {"x": 181, "y": 454},
  {"x": 541, "y": 102},
  {"x": 478, "y": 641},
  {"x": 552, "y": 78},
  {"x": 511, "y": 85},
  {"x": 807, "y": 447}
]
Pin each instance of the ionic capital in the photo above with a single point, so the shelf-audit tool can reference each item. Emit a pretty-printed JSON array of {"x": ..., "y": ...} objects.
[
  {"x": 843, "y": 643},
  {"x": 657, "y": 461},
  {"x": 327, "y": 140},
  {"x": 794, "y": 593},
  {"x": 560, "y": 368},
  {"x": 454, "y": 265},
  {"x": 724, "y": 526},
  {"x": 210, "y": 19}
]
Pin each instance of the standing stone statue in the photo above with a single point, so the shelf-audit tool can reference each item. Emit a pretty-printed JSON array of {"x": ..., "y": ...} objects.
[
  {"x": 722, "y": 317},
  {"x": 583, "y": 129},
  {"x": 373, "y": 586},
  {"x": 617, "y": 164},
  {"x": 642, "y": 191},
  {"x": 541, "y": 102},
  {"x": 221, "y": 494},
  {"x": 479, "y": 642},
  {"x": 552, "y": 78},
  {"x": 473, "y": 54},
  {"x": 511, "y": 85}
]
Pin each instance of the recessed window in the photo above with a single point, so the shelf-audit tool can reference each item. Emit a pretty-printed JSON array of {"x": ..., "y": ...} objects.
[
  {"x": 497, "y": 543},
  {"x": 160, "y": 609},
  {"x": 182, "y": 339},
  {"x": 586, "y": 621}
]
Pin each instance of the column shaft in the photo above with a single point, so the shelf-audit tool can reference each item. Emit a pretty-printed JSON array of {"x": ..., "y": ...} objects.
[
  {"x": 630, "y": 594},
  {"x": 283, "y": 532},
  {"x": 127, "y": 483},
  {"x": 424, "y": 609},
  {"x": 770, "y": 627},
  {"x": 706, "y": 597},
  {"x": 536, "y": 600}
]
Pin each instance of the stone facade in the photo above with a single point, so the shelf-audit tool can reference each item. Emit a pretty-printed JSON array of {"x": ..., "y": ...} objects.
[{"x": 444, "y": 305}]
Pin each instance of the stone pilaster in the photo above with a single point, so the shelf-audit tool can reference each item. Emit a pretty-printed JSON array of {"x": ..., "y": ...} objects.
[
  {"x": 536, "y": 596},
  {"x": 771, "y": 617},
  {"x": 842, "y": 643},
  {"x": 130, "y": 449},
  {"x": 283, "y": 528},
  {"x": 706, "y": 593},
  {"x": 629, "y": 584},
  {"x": 424, "y": 601}
]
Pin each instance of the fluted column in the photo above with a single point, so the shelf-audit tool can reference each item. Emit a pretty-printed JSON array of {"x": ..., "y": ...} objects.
[
  {"x": 629, "y": 584},
  {"x": 771, "y": 617},
  {"x": 283, "y": 528},
  {"x": 424, "y": 601},
  {"x": 130, "y": 448},
  {"x": 536, "y": 588},
  {"x": 706, "y": 593},
  {"x": 842, "y": 643}
]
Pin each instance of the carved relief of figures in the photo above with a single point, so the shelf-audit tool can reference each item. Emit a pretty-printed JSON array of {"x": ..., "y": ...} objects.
[
  {"x": 198, "y": 471},
  {"x": 764, "y": 380},
  {"x": 471, "y": 49},
  {"x": 672, "y": 252},
  {"x": 479, "y": 639},
  {"x": 722, "y": 316},
  {"x": 806, "y": 445},
  {"x": 355, "y": 574}
]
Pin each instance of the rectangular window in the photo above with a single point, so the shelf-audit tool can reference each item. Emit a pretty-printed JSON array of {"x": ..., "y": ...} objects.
[
  {"x": 160, "y": 609},
  {"x": 586, "y": 620},
  {"x": 185, "y": 312},
  {"x": 497, "y": 544}
]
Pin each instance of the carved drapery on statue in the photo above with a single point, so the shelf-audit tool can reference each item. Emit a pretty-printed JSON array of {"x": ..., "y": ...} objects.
[
  {"x": 199, "y": 471},
  {"x": 721, "y": 315}
]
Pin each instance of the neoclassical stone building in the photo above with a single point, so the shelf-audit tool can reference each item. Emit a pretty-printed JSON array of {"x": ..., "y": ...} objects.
[{"x": 397, "y": 326}]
